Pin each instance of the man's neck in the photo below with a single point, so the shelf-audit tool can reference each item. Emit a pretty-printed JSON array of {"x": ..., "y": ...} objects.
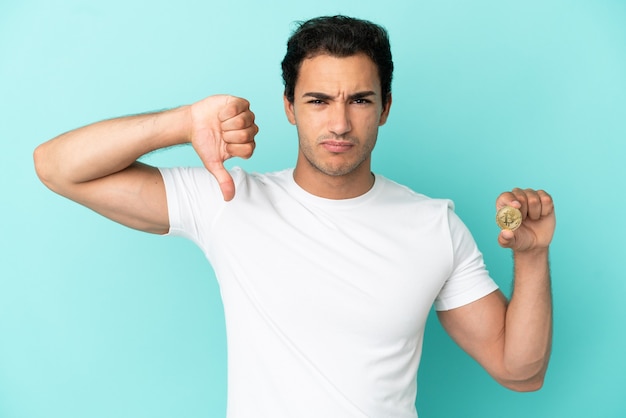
[{"x": 326, "y": 186}]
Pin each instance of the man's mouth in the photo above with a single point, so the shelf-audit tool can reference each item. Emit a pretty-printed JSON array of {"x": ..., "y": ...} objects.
[{"x": 337, "y": 146}]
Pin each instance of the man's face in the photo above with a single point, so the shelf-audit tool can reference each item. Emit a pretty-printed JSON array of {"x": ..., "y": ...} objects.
[{"x": 337, "y": 110}]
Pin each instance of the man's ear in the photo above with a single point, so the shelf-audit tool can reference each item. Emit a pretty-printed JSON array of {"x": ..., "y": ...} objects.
[
  {"x": 291, "y": 116},
  {"x": 385, "y": 113}
]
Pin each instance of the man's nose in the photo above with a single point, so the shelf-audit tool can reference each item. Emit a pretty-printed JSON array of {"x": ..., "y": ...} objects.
[{"x": 339, "y": 120}]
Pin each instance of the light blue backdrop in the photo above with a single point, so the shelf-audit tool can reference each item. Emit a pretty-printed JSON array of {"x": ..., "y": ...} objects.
[{"x": 100, "y": 321}]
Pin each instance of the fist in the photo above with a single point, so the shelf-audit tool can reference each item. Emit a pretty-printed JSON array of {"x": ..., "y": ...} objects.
[
  {"x": 222, "y": 127},
  {"x": 538, "y": 219}
]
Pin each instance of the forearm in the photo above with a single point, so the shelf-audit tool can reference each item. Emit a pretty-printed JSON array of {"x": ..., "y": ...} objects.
[
  {"x": 528, "y": 324},
  {"x": 107, "y": 147},
  {"x": 512, "y": 339}
]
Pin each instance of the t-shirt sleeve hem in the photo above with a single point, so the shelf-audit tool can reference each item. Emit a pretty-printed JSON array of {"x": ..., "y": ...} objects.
[
  {"x": 466, "y": 298},
  {"x": 173, "y": 210}
]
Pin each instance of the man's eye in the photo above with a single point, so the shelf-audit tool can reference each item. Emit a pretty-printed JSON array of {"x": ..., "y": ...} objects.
[
  {"x": 361, "y": 101},
  {"x": 316, "y": 101}
]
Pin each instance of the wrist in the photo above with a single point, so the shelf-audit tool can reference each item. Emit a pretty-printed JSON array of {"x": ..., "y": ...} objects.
[
  {"x": 531, "y": 264},
  {"x": 173, "y": 127},
  {"x": 531, "y": 254}
]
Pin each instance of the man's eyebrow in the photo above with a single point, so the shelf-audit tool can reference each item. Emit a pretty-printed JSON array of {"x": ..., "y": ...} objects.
[
  {"x": 317, "y": 95},
  {"x": 324, "y": 96},
  {"x": 362, "y": 95}
]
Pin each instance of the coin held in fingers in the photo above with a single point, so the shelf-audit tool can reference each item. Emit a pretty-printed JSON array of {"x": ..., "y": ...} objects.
[{"x": 509, "y": 217}]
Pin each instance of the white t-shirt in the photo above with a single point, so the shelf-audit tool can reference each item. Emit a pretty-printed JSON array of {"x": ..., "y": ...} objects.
[{"x": 325, "y": 300}]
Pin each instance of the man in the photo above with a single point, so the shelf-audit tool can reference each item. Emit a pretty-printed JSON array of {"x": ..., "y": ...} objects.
[{"x": 327, "y": 271}]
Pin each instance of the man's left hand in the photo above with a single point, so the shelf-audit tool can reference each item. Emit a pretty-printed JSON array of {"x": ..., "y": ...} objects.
[{"x": 538, "y": 220}]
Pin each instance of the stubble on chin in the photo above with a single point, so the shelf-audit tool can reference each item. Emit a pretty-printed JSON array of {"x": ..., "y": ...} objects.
[{"x": 332, "y": 168}]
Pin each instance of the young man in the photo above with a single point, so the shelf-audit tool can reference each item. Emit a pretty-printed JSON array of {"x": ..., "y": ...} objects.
[{"x": 327, "y": 271}]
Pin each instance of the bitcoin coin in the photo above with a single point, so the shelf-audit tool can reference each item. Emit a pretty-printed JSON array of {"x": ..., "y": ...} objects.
[{"x": 509, "y": 218}]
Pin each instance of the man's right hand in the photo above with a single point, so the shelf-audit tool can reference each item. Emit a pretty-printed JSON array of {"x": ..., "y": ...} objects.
[
  {"x": 222, "y": 127},
  {"x": 96, "y": 165}
]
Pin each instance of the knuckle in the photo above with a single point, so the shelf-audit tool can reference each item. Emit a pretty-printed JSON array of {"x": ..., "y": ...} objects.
[
  {"x": 240, "y": 122},
  {"x": 249, "y": 150},
  {"x": 244, "y": 103},
  {"x": 533, "y": 199},
  {"x": 235, "y": 137},
  {"x": 545, "y": 196}
]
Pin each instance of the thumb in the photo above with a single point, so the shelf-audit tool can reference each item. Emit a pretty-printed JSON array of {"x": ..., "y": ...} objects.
[
  {"x": 506, "y": 238},
  {"x": 223, "y": 177}
]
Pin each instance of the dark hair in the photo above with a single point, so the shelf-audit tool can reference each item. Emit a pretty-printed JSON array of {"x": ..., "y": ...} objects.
[{"x": 338, "y": 36}]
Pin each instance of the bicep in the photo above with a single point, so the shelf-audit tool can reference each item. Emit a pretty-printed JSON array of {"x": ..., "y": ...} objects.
[
  {"x": 134, "y": 197},
  {"x": 478, "y": 328}
]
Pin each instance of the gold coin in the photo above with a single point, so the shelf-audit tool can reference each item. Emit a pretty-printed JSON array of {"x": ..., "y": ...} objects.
[{"x": 509, "y": 218}]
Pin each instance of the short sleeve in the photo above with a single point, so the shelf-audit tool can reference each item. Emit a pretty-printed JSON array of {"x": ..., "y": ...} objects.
[
  {"x": 194, "y": 200},
  {"x": 469, "y": 280}
]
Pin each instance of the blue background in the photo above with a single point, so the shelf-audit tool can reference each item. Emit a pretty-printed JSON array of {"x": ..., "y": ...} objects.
[{"x": 101, "y": 321}]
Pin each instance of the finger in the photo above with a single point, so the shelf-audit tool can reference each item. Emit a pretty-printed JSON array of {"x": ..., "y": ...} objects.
[
  {"x": 241, "y": 150},
  {"x": 225, "y": 181},
  {"x": 534, "y": 204},
  {"x": 507, "y": 199},
  {"x": 520, "y": 197},
  {"x": 547, "y": 204},
  {"x": 506, "y": 238},
  {"x": 232, "y": 107},
  {"x": 241, "y": 120},
  {"x": 241, "y": 136}
]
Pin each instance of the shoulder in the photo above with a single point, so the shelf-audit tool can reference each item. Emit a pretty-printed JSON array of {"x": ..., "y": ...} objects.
[{"x": 399, "y": 195}]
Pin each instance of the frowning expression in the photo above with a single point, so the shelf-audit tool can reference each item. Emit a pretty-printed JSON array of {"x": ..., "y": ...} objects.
[{"x": 337, "y": 110}]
